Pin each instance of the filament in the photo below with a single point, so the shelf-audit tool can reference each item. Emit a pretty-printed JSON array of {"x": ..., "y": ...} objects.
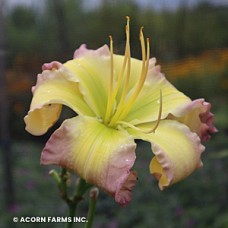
[
  {"x": 127, "y": 57},
  {"x": 150, "y": 130},
  {"x": 110, "y": 102},
  {"x": 122, "y": 112},
  {"x": 116, "y": 117}
]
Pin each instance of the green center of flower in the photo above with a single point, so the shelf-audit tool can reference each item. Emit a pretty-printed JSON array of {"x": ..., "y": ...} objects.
[{"x": 115, "y": 114}]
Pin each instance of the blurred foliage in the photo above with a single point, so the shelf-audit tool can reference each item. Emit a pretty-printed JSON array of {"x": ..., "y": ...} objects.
[
  {"x": 61, "y": 26},
  {"x": 191, "y": 46}
]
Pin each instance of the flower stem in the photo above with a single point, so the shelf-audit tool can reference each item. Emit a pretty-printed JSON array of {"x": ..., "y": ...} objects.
[
  {"x": 82, "y": 186},
  {"x": 81, "y": 189},
  {"x": 92, "y": 204},
  {"x": 72, "y": 210}
]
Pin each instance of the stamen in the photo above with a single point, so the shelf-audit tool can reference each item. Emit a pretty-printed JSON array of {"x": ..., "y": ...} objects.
[
  {"x": 111, "y": 65},
  {"x": 128, "y": 55},
  {"x": 113, "y": 93},
  {"x": 159, "y": 115},
  {"x": 145, "y": 66},
  {"x": 141, "y": 38},
  {"x": 128, "y": 60},
  {"x": 140, "y": 129},
  {"x": 120, "y": 77},
  {"x": 109, "y": 102},
  {"x": 131, "y": 126}
]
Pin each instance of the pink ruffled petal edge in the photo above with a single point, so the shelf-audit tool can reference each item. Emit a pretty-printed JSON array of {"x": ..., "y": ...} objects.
[
  {"x": 52, "y": 65},
  {"x": 198, "y": 116},
  {"x": 207, "y": 119},
  {"x": 82, "y": 51},
  {"x": 124, "y": 194}
]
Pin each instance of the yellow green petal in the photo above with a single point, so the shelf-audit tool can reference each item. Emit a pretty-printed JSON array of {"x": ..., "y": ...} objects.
[
  {"x": 92, "y": 70},
  {"x": 146, "y": 106},
  {"x": 177, "y": 151},
  {"x": 102, "y": 156},
  {"x": 53, "y": 89}
]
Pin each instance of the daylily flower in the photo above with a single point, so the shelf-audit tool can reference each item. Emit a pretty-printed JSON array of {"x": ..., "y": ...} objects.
[{"x": 117, "y": 99}]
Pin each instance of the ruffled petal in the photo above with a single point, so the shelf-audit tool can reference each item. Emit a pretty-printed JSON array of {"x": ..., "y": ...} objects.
[
  {"x": 197, "y": 116},
  {"x": 83, "y": 51},
  {"x": 102, "y": 156},
  {"x": 177, "y": 151},
  {"x": 146, "y": 106},
  {"x": 54, "y": 65},
  {"x": 54, "y": 87},
  {"x": 92, "y": 70},
  {"x": 123, "y": 195}
]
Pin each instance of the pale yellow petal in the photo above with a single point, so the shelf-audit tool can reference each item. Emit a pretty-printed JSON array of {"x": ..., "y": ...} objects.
[
  {"x": 146, "y": 106},
  {"x": 177, "y": 151},
  {"x": 92, "y": 70},
  {"x": 53, "y": 89},
  {"x": 102, "y": 156}
]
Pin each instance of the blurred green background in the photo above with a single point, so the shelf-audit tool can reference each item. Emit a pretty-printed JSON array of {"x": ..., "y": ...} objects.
[{"x": 190, "y": 41}]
